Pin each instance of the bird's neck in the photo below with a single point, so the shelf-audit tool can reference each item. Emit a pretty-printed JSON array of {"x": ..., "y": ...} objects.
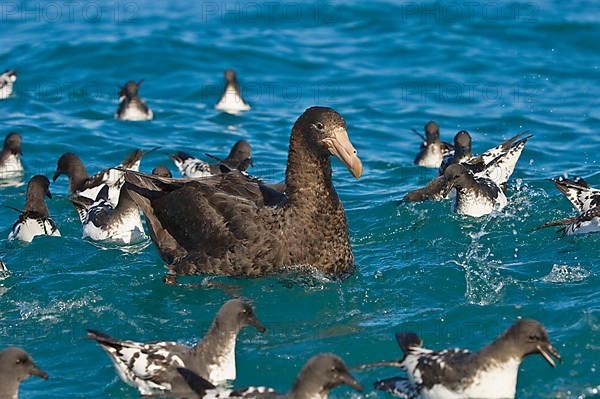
[
  {"x": 220, "y": 336},
  {"x": 307, "y": 391},
  {"x": 35, "y": 202},
  {"x": 308, "y": 176},
  {"x": 77, "y": 177},
  {"x": 10, "y": 390}
]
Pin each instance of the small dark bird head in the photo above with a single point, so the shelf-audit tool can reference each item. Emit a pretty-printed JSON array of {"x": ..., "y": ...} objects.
[
  {"x": 325, "y": 132},
  {"x": 230, "y": 76},
  {"x": 240, "y": 151},
  {"x": 131, "y": 89},
  {"x": 456, "y": 175},
  {"x": 432, "y": 132},
  {"x": 39, "y": 186},
  {"x": 162, "y": 171},
  {"x": 16, "y": 363},
  {"x": 462, "y": 143},
  {"x": 236, "y": 314},
  {"x": 12, "y": 143},
  {"x": 67, "y": 164},
  {"x": 321, "y": 374},
  {"x": 528, "y": 337}
]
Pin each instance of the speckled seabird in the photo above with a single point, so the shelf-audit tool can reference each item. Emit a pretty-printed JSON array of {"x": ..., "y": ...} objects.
[
  {"x": 3, "y": 267},
  {"x": 475, "y": 196},
  {"x": 496, "y": 164},
  {"x": 7, "y": 81},
  {"x": 15, "y": 367},
  {"x": 131, "y": 105},
  {"x": 318, "y": 377},
  {"x": 239, "y": 158},
  {"x": 490, "y": 373},
  {"x": 104, "y": 222},
  {"x": 83, "y": 185},
  {"x": 586, "y": 200},
  {"x": 223, "y": 224},
  {"x": 152, "y": 367},
  {"x": 35, "y": 220},
  {"x": 11, "y": 166},
  {"x": 433, "y": 150},
  {"x": 231, "y": 100}
]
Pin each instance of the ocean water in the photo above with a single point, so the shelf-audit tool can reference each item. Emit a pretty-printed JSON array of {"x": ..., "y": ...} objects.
[{"x": 493, "y": 68}]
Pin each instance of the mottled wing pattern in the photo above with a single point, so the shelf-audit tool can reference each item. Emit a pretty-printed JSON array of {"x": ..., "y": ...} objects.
[
  {"x": 191, "y": 167},
  {"x": 502, "y": 167},
  {"x": 447, "y": 367},
  {"x": 587, "y": 222},
  {"x": 149, "y": 367},
  {"x": 581, "y": 195},
  {"x": 397, "y": 386}
]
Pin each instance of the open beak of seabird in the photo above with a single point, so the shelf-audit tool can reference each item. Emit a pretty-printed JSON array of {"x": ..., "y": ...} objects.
[
  {"x": 340, "y": 146},
  {"x": 254, "y": 322},
  {"x": 347, "y": 379},
  {"x": 36, "y": 371},
  {"x": 547, "y": 351}
]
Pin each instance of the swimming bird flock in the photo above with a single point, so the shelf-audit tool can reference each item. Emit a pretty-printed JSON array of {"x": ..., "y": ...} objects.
[{"x": 218, "y": 219}]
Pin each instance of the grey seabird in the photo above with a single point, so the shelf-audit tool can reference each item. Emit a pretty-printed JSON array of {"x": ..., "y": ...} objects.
[
  {"x": 15, "y": 367},
  {"x": 586, "y": 200},
  {"x": 104, "y": 222},
  {"x": 475, "y": 195},
  {"x": 131, "y": 105},
  {"x": 231, "y": 100},
  {"x": 433, "y": 150},
  {"x": 318, "y": 377},
  {"x": 86, "y": 186},
  {"x": 490, "y": 373},
  {"x": 35, "y": 220},
  {"x": 152, "y": 367},
  {"x": 7, "y": 81},
  {"x": 10, "y": 157},
  {"x": 239, "y": 158},
  {"x": 496, "y": 164}
]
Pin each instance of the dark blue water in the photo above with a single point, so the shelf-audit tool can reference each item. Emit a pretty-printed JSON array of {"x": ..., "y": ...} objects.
[{"x": 494, "y": 69}]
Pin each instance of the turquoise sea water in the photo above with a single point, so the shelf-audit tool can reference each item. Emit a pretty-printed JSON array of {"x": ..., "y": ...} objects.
[{"x": 492, "y": 68}]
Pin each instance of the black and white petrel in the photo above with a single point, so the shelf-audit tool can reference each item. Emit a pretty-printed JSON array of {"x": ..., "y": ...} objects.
[
  {"x": 152, "y": 367},
  {"x": 11, "y": 166},
  {"x": 104, "y": 222},
  {"x": 15, "y": 367},
  {"x": 433, "y": 150},
  {"x": 131, "y": 105},
  {"x": 496, "y": 164},
  {"x": 586, "y": 200},
  {"x": 318, "y": 377},
  {"x": 239, "y": 158},
  {"x": 83, "y": 185},
  {"x": 7, "y": 81},
  {"x": 475, "y": 195},
  {"x": 490, "y": 373},
  {"x": 35, "y": 220},
  {"x": 3, "y": 267},
  {"x": 231, "y": 101}
]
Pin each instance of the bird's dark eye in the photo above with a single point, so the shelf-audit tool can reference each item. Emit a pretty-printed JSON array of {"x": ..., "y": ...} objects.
[
  {"x": 319, "y": 126},
  {"x": 534, "y": 338}
]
